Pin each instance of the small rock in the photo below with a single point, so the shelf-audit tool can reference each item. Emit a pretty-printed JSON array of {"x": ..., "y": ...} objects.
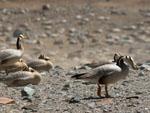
[
  {"x": 50, "y": 22},
  {"x": 58, "y": 42},
  {"x": 75, "y": 99},
  {"x": 86, "y": 19},
  {"x": 126, "y": 39},
  {"x": 54, "y": 35},
  {"x": 92, "y": 14},
  {"x": 47, "y": 27},
  {"x": 78, "y": 17},
  {"x": 27, "y": 93},
  {"x": 141, "y": 73},
  {"x": 64, "y": 21},
  {"x": 103, "y": 18},
  {"x": 91, "y": 104},
  {"x": 99, "y": 31},
  {"x": 66, "y": 87},
  {"x": 72, "y": 30},
  {"x": 145, "y": 66},
  {"x": 72, "y": 41},
  {"x": 133, "y": 27},
  {"x": 116, "y": 30}
]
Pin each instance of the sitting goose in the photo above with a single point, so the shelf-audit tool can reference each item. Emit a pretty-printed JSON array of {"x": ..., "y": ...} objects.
[
  {"x": 43, "y": 63},
  {"x": 10, "y": 56},
  {"x": 17, "y": 66},
  {"x": 108, "y": 73},
  {"x": 21, "y": 78},
  {"x": 100, "y": 63}
]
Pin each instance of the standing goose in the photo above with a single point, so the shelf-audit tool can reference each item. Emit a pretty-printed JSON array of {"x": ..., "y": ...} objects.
[
  {"x": 21, "y": 78},
  {"x": 17, "y": 66},
  {"x": 10, "y": 56},
  {"x": 43, "y": 63},
  {"x": 108, "y": 73}
]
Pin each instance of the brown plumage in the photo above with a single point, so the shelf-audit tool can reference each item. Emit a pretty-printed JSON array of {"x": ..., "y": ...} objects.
[
  {"x": 21, "y": 78},
  {"x": 41, "y": 64},
  {"x": 108, "y": 73},
  {"x": 17, "y": 66}
]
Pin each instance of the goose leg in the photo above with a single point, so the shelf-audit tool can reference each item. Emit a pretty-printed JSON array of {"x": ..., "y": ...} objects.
[
  {"x": 99, "y": 90},
  {"x": 106, "y": 90}
]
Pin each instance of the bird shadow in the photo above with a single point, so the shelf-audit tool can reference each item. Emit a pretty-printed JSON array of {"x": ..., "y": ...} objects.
[{"x": 95, "y": 98}]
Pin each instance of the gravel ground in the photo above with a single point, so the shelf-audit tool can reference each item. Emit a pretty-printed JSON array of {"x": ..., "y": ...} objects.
[{"x": 73, "y": 33}]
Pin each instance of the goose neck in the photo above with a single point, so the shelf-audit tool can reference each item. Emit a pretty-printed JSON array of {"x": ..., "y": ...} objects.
[{"x": 18, "y": 44}]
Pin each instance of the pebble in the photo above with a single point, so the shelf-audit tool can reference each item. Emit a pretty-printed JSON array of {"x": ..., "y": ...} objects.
[
  {"x": 27, "y": 93},
  {"x": 72, "y": 41},
  {"x": 103, "y": 18},
  {"x": 54, "y": 35},
  {"x": 49, "y": 22},
  {"x": 64, "y": 21},
  {"x": 133, "y": 27},
  {"x": 91, "y": 104},
  {"x": 72, "y": 30},
  {"x": 47, "y": 27},
  {"x": 79, "y": 17},
  {"x": 66, "y": 87},
  {"x": 75, "y": 99},
  {"x": 92, "y": 14},
  {"x": 145, "y": 66},
  {"x": 126, "y": 39},
  {"x": 116, "y": 30},
  {"x": 141, "y": 73}
]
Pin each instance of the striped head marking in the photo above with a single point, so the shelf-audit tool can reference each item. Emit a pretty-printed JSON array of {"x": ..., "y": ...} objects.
[
  {"x": 120, "y": 60},
  {"x": 116, "y": 57},
  {"x": 22, "y": 36},
  {"x": 131, "y": 62}
]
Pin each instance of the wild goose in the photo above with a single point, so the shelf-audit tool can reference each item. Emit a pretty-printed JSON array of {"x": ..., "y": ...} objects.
[
  {"x": 43, "y": 63},
  {"x": 108, "y": 73},
  {"x": 21, "y": 78},
  {"x": 100, "y": 63},
  {"x": 10, "y": 56},
  {"x": 17, "y": 66}
]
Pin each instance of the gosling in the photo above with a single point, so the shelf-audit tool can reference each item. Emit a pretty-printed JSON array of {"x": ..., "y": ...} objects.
[
  {"x": 21, "y": 78},
  {"x": 43, "y": 63},
  {"x": 17, "y": 66}
]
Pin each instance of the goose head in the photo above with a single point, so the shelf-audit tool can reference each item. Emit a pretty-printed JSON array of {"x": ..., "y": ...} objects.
[
  {"x": 129, "y": 60},
  {"x": 42, "y": 56},
  {"x": 116, "y": 57}
]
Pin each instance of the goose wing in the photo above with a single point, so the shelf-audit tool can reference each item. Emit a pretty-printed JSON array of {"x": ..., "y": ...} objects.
[
  {"x": 20, "y": 75},
  {"x": 36, "y": 63},
  {"x": 104, "y": 70},
  {"x": 6, "y": 55}
]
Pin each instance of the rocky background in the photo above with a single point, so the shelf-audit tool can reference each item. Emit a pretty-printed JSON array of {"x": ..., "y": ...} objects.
[{"x": 72, "y": 33}]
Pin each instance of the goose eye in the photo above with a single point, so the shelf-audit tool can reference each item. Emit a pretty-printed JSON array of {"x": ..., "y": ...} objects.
[{"x": 127, "y": 57}]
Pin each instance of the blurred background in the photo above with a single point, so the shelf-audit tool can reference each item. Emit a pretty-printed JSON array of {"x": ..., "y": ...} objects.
[{"x": 73, "y": 32}]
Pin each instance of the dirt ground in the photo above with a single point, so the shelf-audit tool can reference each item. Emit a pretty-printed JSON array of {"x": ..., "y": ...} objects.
[{"x": 72, "y": 33}]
